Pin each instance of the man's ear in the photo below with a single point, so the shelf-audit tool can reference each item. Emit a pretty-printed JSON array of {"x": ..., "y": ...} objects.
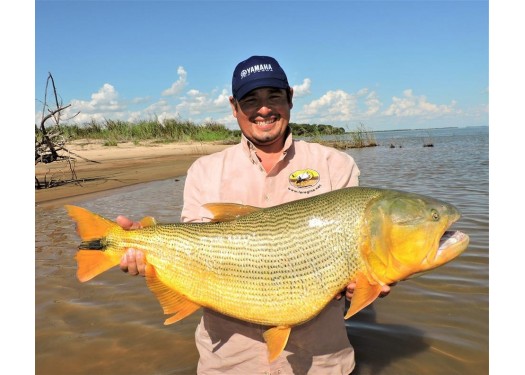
[
  {"x": 291, "y": 97},
  {"x": 233, "y": 104}
]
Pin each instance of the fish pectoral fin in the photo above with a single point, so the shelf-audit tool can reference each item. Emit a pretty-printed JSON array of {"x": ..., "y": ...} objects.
[
  {"x": 228, "y": 211},
  {"x": 364, "y": 294},
  {"x": 171, "y": 301},
  {"x": 276, "y": 339},
  {"x": 92, "y": 263},
  {"x": 148, "y": 221}
]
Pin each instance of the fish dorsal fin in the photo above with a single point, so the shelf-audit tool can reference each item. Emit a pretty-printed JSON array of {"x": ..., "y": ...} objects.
[
  {"x": 364, "y": 294},
  {"x": 148, "y": 221},
  {"x": 276, "y": 339},
  {"x": 91, "y": 263},
  {"x": 171, "y": 301},
  {"x": 228, "y": 211}
]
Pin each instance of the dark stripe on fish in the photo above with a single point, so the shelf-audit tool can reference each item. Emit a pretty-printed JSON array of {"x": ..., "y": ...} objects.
[{"x": 92, "y": 245}]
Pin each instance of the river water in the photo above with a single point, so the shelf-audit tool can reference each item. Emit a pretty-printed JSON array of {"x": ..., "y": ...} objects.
[{"x": 437, "y": 323}]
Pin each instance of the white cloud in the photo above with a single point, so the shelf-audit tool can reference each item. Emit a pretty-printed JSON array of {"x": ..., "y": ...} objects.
[
  {"x": 373, "y": 104},
  {"x": 341, "y": 108},
  {"x": 411, "y": 105},
  {"x": 197, "y": 106},
  {"x": 140, "y": 100},
  {"x": 178, "y": 86},
  {"x": 194, "y": 103},
  {"x": 104, "y": 100},
  {"x": 223, "y": 99},
  {"x": 160, "y": 111},
  {"x": 335, "y": 105},
  {"x": 303, "y": 89},
  {"x": 104, "y": 105}
]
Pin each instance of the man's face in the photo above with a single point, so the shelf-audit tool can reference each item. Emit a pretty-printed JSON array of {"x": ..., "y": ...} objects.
[{"x": 263, "y": 115}]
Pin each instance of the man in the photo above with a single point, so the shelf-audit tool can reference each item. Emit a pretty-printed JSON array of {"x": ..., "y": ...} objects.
[{"x": 266, "y": 168}]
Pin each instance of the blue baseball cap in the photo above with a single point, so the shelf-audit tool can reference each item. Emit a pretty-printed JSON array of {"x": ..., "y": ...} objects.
[{"x": 255, "y": 72}]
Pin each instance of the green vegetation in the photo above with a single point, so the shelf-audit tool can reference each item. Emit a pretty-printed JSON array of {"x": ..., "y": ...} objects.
[
  {"x": 113, "y": 132},
  {"x": 309, "y": 130},
  {"x": 339, "y": 138},
  {"x": 362, "y": 137}
]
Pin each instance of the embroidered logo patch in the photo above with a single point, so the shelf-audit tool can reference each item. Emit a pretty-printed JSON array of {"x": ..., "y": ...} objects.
[{"x": 304, "y": 178}]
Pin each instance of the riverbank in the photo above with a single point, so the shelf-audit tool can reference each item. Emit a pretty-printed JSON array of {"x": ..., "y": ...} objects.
[{"x": 100, "y": 168}]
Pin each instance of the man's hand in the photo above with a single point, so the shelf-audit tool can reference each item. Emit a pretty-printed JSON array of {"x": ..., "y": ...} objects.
[
  {"x": 349, "y": 292},
  {"x": 132, "y": 261}
]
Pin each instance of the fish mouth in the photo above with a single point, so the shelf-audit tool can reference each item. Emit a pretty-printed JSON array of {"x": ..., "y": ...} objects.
[
  {"x": 451, "y": 244},
  {"x": 451, "y": 238}
]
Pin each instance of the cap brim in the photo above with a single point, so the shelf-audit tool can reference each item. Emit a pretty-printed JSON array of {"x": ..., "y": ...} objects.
[{"x": 256, "y": 84}]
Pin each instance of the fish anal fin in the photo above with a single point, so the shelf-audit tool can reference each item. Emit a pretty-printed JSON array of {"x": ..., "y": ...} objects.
[
  {"x": 92, "y": 263},
  {"x": 364, "y": 294},
  {"x": 276, "y": 339},
  {"x": 171, "y": 301},
  {"x": 148, "y": 221},
  {"x": 228, "y": 211}
]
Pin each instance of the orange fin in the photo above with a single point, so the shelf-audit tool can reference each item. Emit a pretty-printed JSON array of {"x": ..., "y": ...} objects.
[
  {"x": 171, "y": 301},
  {"x": 92, "y": 263},
  {"x": 89, "y": 225},
  {"x": 276, "y": 339},
  {"x": 92, "y": 230},
  {"x": 148, "y": 221},
  {"x": 228, "y": 211},
  {"x": 364, "y": 294}
]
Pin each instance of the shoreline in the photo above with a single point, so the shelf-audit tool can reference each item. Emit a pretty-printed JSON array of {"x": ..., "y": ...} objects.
[{"x": 112, "y": 167}]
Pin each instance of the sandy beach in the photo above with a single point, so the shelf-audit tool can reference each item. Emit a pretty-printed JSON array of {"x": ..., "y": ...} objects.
[{"x": 100, "y": 168}]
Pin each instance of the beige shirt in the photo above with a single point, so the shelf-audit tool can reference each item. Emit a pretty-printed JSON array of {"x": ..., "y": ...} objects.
[{"x": 230, "y": 346}]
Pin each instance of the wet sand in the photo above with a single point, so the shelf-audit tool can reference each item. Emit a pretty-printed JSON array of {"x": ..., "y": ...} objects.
[{"x": 100, "y": 168}]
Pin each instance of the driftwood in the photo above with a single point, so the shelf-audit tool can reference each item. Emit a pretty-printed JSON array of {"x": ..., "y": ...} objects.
[{"x": 50, "y": 146}]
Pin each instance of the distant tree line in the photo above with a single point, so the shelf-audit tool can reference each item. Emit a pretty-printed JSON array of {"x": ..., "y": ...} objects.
[{"x": 315, "y": 129}]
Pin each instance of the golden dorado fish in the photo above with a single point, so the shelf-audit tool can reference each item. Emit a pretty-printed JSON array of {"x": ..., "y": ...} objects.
[{"x": 280, "y": 266}]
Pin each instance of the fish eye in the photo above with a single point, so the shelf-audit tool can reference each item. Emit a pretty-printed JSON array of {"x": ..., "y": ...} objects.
[{"x": 434, "y": 214}]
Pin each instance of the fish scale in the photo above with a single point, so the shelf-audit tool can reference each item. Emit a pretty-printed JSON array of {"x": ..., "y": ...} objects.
[{"x": 280, "y": 266}]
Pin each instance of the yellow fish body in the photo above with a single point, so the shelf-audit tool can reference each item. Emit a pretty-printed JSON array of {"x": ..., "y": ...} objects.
[{"x": 280, "y": 266}]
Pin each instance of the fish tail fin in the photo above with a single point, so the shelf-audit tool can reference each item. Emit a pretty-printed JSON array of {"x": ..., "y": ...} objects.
[
  {"x": 90, "y": 226},
  {"x": 92, "y": 259}
]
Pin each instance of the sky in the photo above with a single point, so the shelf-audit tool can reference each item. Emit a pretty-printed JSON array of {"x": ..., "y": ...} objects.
[{"x": 379, "y": 64}]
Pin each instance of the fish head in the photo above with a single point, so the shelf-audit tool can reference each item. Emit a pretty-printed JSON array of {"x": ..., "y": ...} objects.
[{"x": 408, "y": 234}]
